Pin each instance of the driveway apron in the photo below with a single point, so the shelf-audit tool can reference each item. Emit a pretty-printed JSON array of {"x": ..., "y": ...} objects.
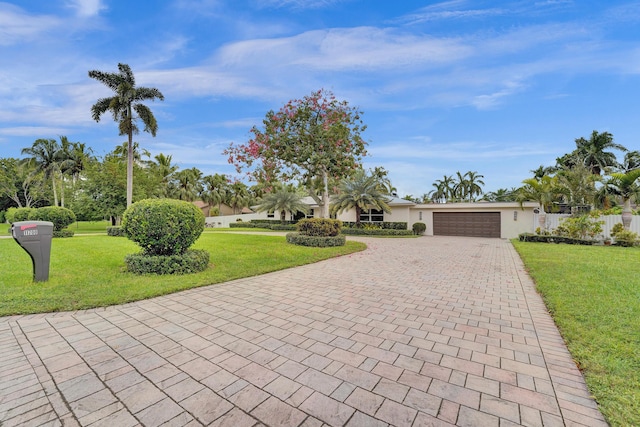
[{"x": 433, "y": 331}]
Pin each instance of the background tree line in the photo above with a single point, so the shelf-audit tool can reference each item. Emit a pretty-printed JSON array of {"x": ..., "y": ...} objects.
[{"x": 591, "y": 176}]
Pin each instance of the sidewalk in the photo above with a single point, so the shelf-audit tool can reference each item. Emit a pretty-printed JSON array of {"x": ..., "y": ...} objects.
[{"x": 433, "y": 331}]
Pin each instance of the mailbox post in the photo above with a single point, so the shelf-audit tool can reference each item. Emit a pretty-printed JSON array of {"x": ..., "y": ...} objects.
[{"x": 35, "y": 238}]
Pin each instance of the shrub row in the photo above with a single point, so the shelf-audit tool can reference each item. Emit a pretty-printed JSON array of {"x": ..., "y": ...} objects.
[
  {"x": 316, "y": 241},
  {"x": 59, "y": 216},
  {"x": 530, "y": 237},
  {"x": 191, "y": 261},
  {"x": 63, "y": 233},
  {"x": 242, "y": 224},
  {"x": 387, "y": 225},
  {"x": 116, "y": 232},
  {"x": 375, "y": 232},
  {"x": 323, "y": 227}
]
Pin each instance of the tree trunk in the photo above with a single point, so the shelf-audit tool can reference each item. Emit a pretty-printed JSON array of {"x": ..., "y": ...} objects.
[
  {"x": 542, "y": 219},
  {"x": 324, "y": 213},
  {"x": 627, "y": 215},
  {"x": 358, "y": 211},
  {"x": 130, "y": 159},
  {"x": 55, "y": 192}
]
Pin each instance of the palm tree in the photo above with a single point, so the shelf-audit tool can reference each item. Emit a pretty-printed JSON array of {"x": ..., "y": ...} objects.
[
  {"x": 593, "y": 154},
  {"x": 188, "y": 184},
  {"x": 473, "y": 181},
  {"x": 444, "y": 189},
  {"x": 460, "y": 187},
  {"x": 543, "y": 190},
  {"x": 44, "y": 157},
  {"x": 238, "y": 196},
  {"x": 215, "y": 190},
  {"x": 541, "y": 171},
  {"x": 500, "y": 195},
  {"x": 625, "y": 185},
  {"x": 361, "y": 192},
  {"x": 282, "y": 201},
  {"x": 164, "y": 170},
  {"x": 631, "y": 161},
  {"x": 578, "y": 185},
  {"x": 126, "y": 101}
]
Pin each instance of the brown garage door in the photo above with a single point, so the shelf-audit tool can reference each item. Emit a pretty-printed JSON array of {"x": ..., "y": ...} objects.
[{"x": 473, "y": 224}]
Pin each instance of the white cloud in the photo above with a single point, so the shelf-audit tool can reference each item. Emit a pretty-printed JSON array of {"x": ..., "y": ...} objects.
[
  {"x": 296, "y": 4},
  {"x": 18, "y": 26},
  {"x": 86, "y": 8}
]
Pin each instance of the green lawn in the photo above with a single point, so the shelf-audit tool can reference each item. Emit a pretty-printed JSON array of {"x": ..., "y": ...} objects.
[
  {"x": 87, "y": 271},
  {"x": 593, "y": 294}
]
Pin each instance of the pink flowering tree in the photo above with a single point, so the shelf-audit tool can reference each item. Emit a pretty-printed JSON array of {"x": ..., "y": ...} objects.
[{"x": 313, "y": 140}]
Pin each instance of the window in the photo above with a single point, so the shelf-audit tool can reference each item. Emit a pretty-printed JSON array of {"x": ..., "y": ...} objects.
[
  {"x": 371, "y": 215},
  {"x": 271, "y": 214},
  {"x": 310, "y": 214}
]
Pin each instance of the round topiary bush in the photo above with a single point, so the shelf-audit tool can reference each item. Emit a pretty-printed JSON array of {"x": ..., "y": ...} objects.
[
  {"x": 163, "y": 226},
  {"x": 419, "y": 228}
]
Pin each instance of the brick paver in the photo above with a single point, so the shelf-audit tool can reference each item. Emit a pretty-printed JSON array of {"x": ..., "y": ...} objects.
[{"x": 411, "y": 332}]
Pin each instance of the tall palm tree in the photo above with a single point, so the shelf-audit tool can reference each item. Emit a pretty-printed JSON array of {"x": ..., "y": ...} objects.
[
  {"x": 593, "y": 151},
  {"x": 627, "y": 186},
  {"x": 473, "y": 181},
  {"x": 215, "y": 190},
  {"x": 361, "y": 192},
  {"x": 460, "y": 187},
  {"x": 282, "y": 201},
  {"x": 127, "y": 100},
  {"x": 44, "y": 155},
  {"x": 444, "y": 189}
]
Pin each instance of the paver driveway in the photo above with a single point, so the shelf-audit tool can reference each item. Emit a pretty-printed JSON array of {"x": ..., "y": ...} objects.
[{"x": 423, "y": 332}]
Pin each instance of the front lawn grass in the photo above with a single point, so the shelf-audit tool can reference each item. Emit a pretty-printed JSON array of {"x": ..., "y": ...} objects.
[
  {"x": 593, "y": 294},
  {"x": 87, "y": 271}
]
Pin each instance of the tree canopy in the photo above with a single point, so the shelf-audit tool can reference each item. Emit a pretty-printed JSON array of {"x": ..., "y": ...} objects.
[{"x": 312, "y": 140}]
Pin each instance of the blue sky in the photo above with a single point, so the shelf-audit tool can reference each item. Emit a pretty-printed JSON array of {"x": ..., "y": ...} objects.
[{"x": 494, "y": 87}]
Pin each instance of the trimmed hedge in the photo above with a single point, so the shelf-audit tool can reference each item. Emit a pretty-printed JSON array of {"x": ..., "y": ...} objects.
[
  {"x": 59, "y": 216},
  {"x": 116, "y": 231},
  {"x": 283, "y": 227},
  {"x": 191, "y": 261},
  {"x": 247, "y": 225},
  {"x": 316, "y": 241},
  {"x": 375, "y": 232},
  {"x": 386, "y": 225},
  {"x": 322, "y": 227},
  {"x": 163, "y": 226},
  {"x": 18, "y": 214},
  {"x": 63, "y": 233},
  {"x": 529, "y": 237}
]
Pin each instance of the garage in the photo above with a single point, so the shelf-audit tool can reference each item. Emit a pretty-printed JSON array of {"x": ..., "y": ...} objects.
[{"x": 471, "y": 224}]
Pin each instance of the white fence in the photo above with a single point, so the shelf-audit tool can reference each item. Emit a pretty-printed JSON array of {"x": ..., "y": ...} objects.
[
  {"x": 225, "y": 220},
  {"x": 553, "y": 220}
]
